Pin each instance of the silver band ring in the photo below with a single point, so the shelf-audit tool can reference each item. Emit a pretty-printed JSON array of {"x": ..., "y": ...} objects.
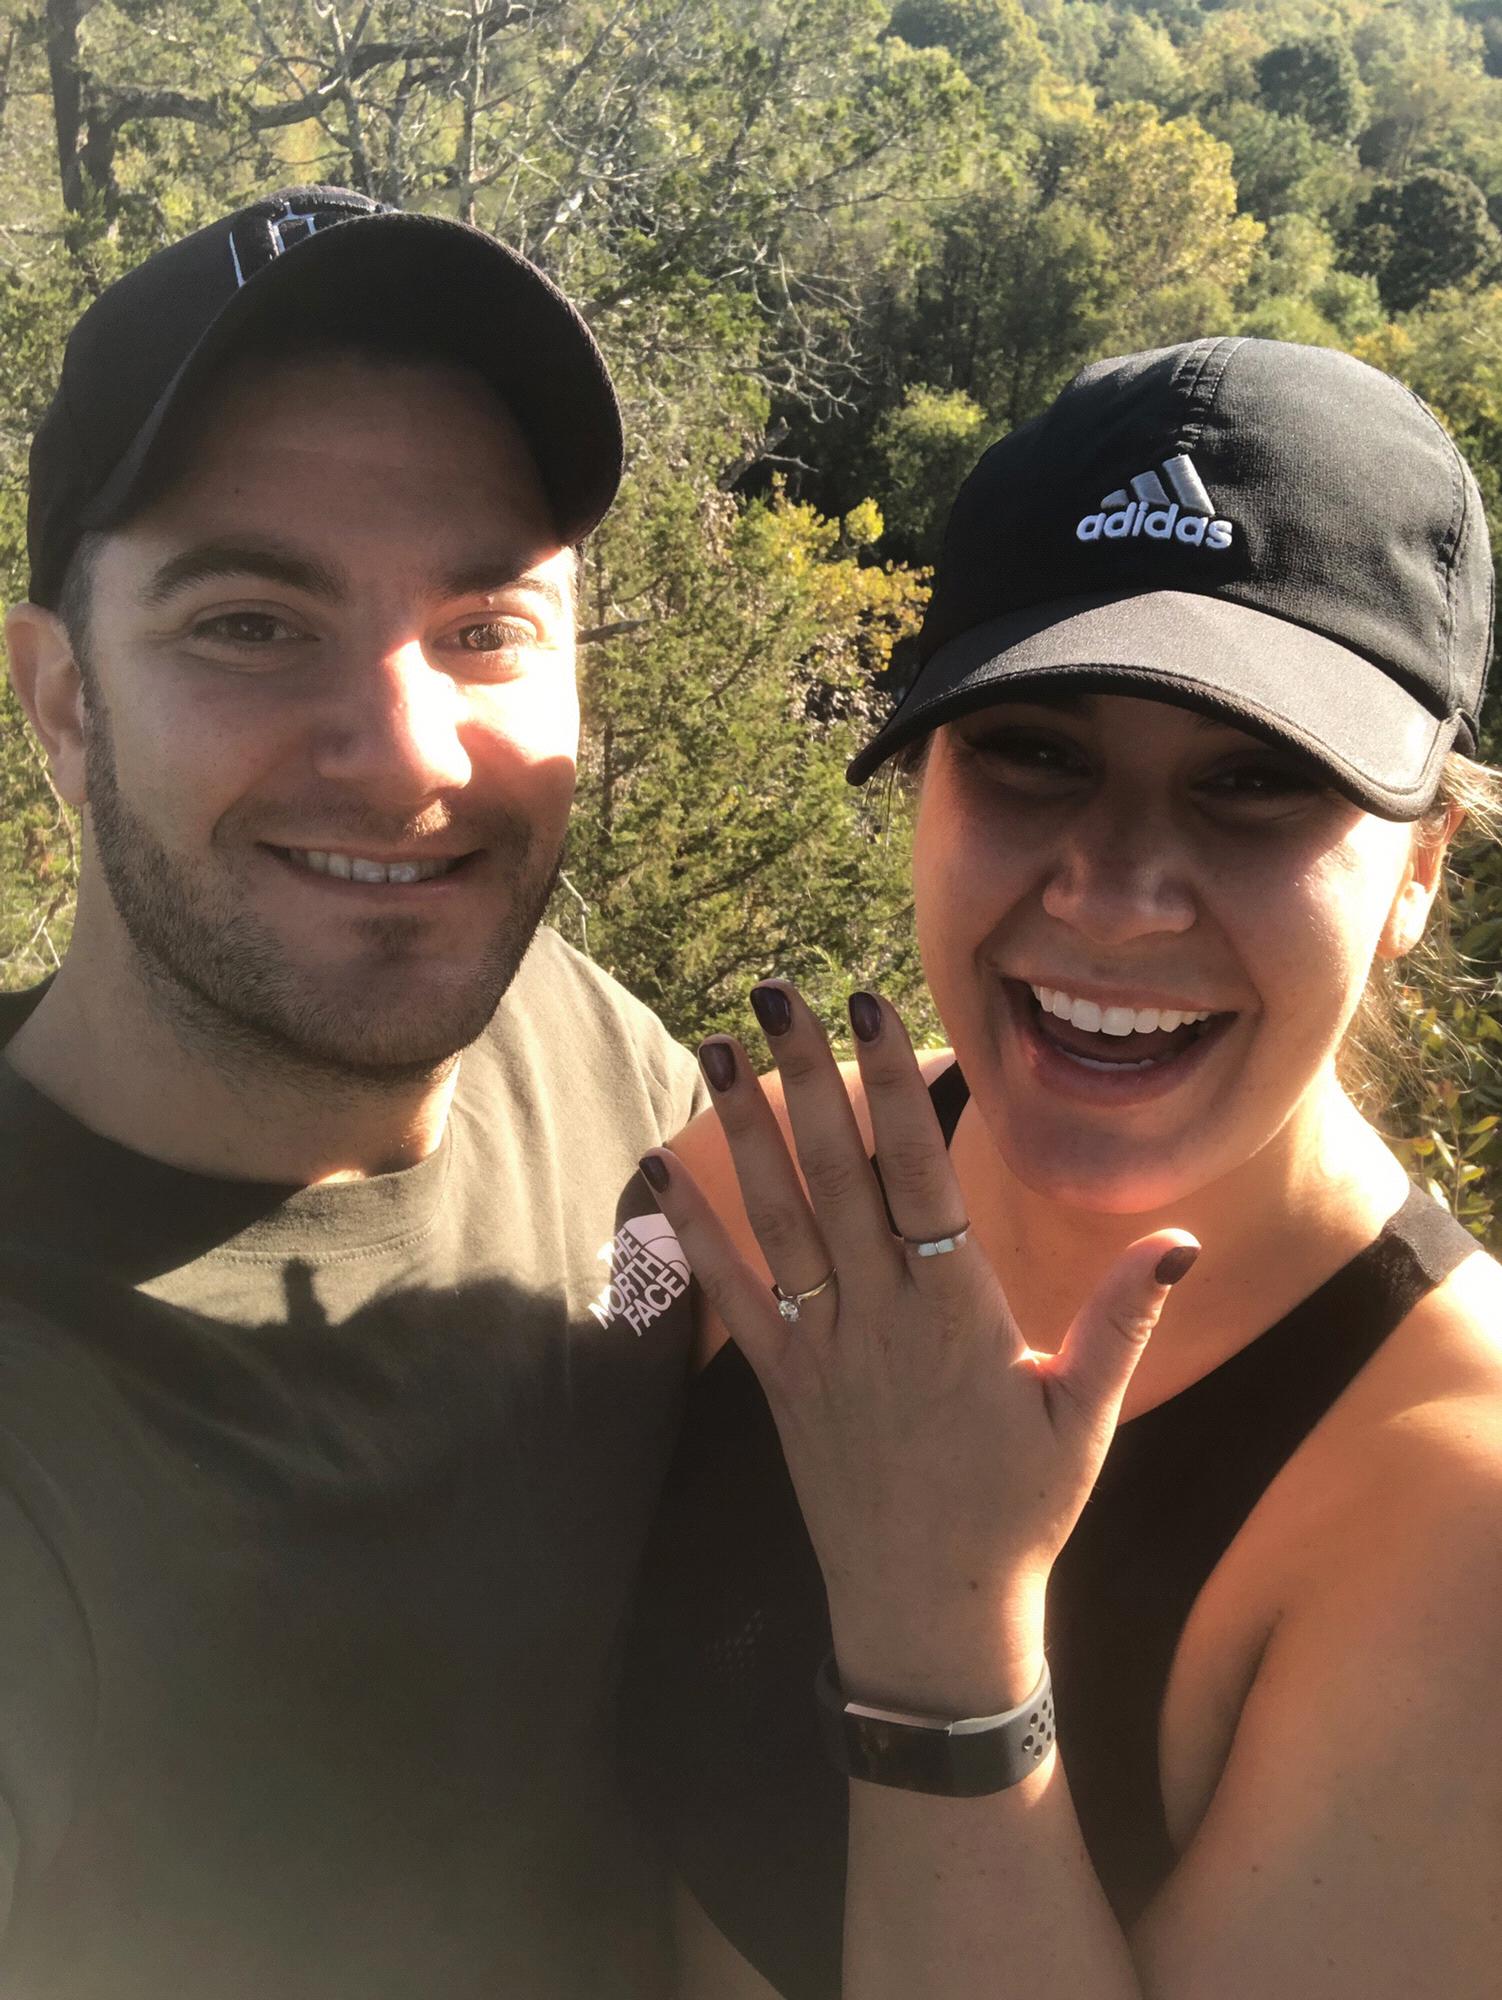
[
  {"x": 790, "y": 1304},
  {"x": 937, "y": 1246}
]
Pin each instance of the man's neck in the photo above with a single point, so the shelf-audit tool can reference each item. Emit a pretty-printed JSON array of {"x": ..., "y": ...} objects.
[{"x": 101, "y": 1045}]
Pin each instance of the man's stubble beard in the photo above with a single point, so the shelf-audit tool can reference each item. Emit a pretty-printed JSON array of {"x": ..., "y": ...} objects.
[{"x": 229, "y": 989}]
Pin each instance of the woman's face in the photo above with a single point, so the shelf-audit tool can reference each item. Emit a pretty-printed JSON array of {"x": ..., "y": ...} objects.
[{"x": 1090, "y": 869}]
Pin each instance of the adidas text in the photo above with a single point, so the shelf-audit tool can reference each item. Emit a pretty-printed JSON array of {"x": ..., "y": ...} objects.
[{"x": 1160, "y": 524}]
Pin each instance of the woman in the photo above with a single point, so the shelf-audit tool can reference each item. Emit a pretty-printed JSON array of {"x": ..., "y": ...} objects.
[{"x": 1205, "y": 644}]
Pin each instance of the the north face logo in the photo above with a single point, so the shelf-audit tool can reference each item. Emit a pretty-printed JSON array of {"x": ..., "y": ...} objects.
[
  {"x": 648, "y": 1271},
  {"x": 1173, "y": 508}
]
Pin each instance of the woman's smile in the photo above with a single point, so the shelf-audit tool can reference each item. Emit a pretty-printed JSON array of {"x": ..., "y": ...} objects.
[
  {"x": 1116, "y": 1039},
  {"x": 1146, "y": 933},
  {"x": 1112, "y": 1067}
]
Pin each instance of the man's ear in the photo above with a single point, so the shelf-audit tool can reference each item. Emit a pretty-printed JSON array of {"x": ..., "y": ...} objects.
[
  {"x": 1420, "y": 885},
  {"x": 49, "y": 686}
]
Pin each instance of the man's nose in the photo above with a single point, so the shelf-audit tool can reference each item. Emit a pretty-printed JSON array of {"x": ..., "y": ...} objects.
[
  {"x": 396, "y": 733},
  {"x": 1120, "y": 876}
]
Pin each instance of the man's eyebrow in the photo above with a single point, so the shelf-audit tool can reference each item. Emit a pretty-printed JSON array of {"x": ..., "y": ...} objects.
[
  {"x": 209, "y": 561},
  {"x": 483, "y": 578}
]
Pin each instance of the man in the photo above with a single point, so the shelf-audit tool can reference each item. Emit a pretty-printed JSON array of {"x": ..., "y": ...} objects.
[{"x": 328, "y": 1428}]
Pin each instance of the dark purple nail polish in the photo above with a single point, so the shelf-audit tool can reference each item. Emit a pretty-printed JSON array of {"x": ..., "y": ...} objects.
[
  {"x": 655, "y": 1172},
  {"x": 1176, "y": 1263},
  {"x": 865, "y": 1016},
  {"x": 772, "y": 1008},
  {"x": 717, "y": 1060}
]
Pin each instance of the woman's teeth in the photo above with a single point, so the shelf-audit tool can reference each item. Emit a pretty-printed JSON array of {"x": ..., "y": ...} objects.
[{"x": 1097, "y": 1020}]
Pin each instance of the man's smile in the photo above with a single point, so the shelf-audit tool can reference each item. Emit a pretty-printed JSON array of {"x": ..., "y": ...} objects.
[{"x": 371, "y": 870}]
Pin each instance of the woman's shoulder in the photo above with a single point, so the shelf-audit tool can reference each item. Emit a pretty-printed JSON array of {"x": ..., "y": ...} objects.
[
  {"x": 1434, "y": 1428},
  {"x": 1399, "y": 1491},
  {"x": 1376, "y": 1552}
]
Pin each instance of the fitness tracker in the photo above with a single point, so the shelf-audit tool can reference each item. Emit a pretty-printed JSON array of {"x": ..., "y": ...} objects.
[{"x": 962, "y": 1759}]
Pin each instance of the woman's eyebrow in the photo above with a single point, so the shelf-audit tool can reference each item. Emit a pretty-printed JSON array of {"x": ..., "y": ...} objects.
[{"x": 265, "y": 560}]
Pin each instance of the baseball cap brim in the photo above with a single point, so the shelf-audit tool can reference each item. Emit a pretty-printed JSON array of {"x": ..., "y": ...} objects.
[
  {"x": 433, "y": 286},
  {"x": 1377, "y": 743}
]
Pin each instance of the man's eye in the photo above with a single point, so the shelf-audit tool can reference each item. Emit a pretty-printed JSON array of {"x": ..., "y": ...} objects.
[
  {"x": 245, "y": 628},
  {"x": 494, "y": 635}
]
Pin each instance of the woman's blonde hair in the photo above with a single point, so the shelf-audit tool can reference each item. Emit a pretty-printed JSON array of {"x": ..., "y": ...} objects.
[{"x": 1382, "y": 1058}]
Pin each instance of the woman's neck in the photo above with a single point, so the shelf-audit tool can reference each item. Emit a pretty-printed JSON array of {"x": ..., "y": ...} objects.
[{"x": 1272, "y": 1232}]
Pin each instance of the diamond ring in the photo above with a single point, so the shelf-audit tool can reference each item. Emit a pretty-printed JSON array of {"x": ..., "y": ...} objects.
[{"x": 790, "y": 1304}]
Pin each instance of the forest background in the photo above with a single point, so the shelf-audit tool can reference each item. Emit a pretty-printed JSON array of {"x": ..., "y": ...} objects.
[{"x": 833, "y": 248}]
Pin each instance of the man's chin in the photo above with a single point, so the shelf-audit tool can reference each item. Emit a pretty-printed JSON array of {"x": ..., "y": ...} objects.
[{"x": 382, "y": 1029}]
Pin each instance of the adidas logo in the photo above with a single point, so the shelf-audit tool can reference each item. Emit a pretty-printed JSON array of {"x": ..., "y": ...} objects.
[{"x": 1173, "y": 508}]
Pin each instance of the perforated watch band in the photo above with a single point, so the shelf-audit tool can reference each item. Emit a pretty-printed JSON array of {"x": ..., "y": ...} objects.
[{"x": 962, "y": 1759}]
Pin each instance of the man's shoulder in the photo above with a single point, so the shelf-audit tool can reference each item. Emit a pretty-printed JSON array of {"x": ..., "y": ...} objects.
[
  {"x": 566, "y": 1025},
  {"x": 16, "y": 1007}
]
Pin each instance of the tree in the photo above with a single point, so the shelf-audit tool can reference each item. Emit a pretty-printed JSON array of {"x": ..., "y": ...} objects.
[
  {"x": 927, "y": 445},
  {"x": 1421, "y": 234},
  {"x": 1279, "y": 165},
  {"x": 715, "y": 839},
  {"x": 1317, "y": 80},
  {"x": 1162, "y": 191}
]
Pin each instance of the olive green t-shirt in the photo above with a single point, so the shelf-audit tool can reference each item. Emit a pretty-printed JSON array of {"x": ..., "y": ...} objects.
[{"x": 319, "y": 1515}]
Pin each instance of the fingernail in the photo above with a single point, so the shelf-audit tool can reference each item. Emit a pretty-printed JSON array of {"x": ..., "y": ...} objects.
[
  {"x": 865, "y": 1015},
  {"x": 1176, "y": 1263},
  {"x": 654, "y": 1172},
  {"x": 772, "y": 1008},
  {"x": 717, "y": 1060}
]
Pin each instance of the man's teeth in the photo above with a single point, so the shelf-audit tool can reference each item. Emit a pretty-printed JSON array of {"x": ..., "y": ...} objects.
[
  {"x": 355, "y": 868},
  {"x": 1098, "y": 1020}
]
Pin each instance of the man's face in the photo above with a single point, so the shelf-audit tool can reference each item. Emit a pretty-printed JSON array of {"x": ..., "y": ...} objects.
[{"x": 332, "y": 715}]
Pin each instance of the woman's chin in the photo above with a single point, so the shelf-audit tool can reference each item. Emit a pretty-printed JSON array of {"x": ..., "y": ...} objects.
[{"x": 1103, "y": 1187}]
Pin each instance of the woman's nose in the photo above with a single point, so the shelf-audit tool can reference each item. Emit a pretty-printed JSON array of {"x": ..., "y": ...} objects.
[
  {"x": 397, "y": 733},
  {"x": 1119, "y": 877}
]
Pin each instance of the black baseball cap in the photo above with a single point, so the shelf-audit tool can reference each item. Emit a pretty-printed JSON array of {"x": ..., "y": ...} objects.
[
  {"x": 311, "y": 261},
  {"x": 1279, "y": 535}
]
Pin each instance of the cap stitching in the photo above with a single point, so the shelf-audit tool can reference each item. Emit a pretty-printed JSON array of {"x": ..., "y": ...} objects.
[
  {"x": 1191, "y": 431},
  {"x": 1454, "y": 533}
]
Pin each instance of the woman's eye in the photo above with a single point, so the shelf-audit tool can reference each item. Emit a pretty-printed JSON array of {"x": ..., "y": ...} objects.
[
  {"x": 1262, "y": 781},
  {"x": 1021, "y": 755}
]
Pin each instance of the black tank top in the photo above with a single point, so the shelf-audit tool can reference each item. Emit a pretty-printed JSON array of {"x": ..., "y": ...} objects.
[{"x": 719, "y": 1734}]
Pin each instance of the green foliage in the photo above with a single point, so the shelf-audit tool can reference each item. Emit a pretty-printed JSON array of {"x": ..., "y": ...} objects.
[
  {"x": 1163, "y": 192},
  {"x": 1316, "y": 80},
  {"x": 715, "y": 839},
  {"x": 927, "y": 445},
  {"x": 1421, "y": 234},
  {"x": 1448, "y": 1120},
  {"x": 833, "y": 247},
  {"x": 1279, "y": 165}
]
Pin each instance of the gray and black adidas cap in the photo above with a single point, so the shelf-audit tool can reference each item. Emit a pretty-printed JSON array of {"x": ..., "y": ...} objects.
[
  {"x": 1274, "y": 534},
  {"x": 319, "y": 262}
]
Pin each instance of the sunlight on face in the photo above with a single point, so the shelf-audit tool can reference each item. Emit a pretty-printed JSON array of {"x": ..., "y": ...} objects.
[{"x": 333, "y": 717}]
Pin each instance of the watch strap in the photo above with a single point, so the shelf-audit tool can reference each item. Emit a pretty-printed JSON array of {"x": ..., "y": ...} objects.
[{"x": 959, "y": 1759}]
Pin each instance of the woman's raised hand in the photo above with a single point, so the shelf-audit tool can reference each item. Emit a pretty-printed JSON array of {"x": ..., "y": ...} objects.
[{"x": 940, "y": 1463}]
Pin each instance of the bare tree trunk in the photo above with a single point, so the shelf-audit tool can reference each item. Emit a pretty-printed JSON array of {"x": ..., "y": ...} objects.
[{"x": 61, "y": 34}]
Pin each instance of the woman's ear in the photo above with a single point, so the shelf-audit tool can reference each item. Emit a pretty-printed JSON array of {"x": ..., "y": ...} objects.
[
  {"x": 1420, "y": 884},
  {"x": 49, "y": 686}
]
